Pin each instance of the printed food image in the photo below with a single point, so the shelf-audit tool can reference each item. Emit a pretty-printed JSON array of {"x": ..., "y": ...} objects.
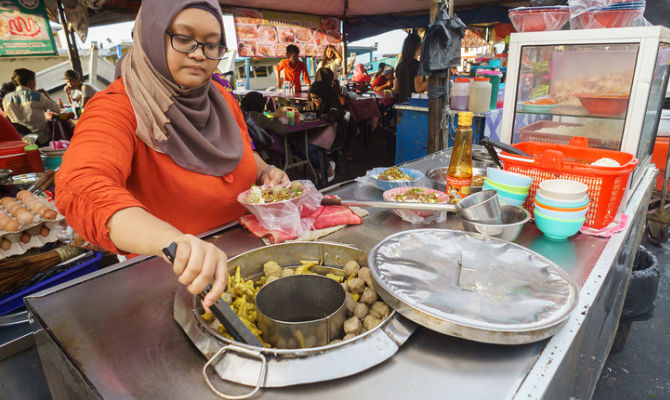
[
  {"x": 280, "y": 50},
  {"x": 286, "y": 35},
  {"x": 330, "y": 24},
  {"x": 246, "y": 49},
  {"x": 333, "y": 37},
  {"x": 608, "y": 83},
  {"x": 247, "y": 16},
  {"x": 310, "y": 50},
  {"x": 303, "y": 34},
  {"x": 418, "y": 195},
  {"x": 364, "y": 309},
  {"x": 266, "y": 50},
  {"x": 274, "y": 194},
  {"x": 478, "y": 180},
  {"x": 247, "y": 31},
  {"x": 3, "y": 27},
  {"x": 394, "y": 174},
  {"x": 320, "y": 37},
  {"x": 267, "y": 34},
  {"x": 301, "y": 48}
]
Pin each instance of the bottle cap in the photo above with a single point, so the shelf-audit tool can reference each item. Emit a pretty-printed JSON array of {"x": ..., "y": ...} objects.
[
  {"x": 462, "y": 80},
  {"x": 31, "y": 147},
  {"x": 481, "y": 79},
  {"x": 465, "y": 118}
]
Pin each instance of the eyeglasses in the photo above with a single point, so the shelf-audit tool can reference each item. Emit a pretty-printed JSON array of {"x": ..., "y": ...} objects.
[{"x": 187, "y": 45}]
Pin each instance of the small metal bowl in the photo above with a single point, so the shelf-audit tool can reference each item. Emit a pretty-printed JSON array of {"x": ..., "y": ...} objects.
[
  {"x": 513, "y": 220},
  {"x": 438, "y": 177},
  {"x": 4, "y": 173},
  {"x": 12, "y": 185}
]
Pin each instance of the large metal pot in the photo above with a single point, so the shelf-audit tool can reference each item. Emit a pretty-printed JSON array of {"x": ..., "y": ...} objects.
[{"x": 11, "y": 185}]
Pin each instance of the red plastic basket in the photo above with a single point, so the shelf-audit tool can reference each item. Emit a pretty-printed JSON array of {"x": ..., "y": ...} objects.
[{"x": 607, "y": 185}]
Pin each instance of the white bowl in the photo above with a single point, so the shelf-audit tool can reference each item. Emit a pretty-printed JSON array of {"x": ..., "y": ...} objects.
[{"x": 563, "y": 189}]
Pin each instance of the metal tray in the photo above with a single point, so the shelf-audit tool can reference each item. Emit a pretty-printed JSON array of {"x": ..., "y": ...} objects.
[
  {"x": 519, "y": 297},
  {"x": 242, "y": 363}
]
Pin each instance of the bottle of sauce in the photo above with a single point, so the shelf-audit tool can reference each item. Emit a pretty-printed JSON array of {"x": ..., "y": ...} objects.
[{"x": 459, "y": 175}]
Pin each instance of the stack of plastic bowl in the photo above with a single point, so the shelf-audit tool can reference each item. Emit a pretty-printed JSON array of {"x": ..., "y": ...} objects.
[
  {"x": 512, "y": 187},
  {"x": 560, "y": 208}
]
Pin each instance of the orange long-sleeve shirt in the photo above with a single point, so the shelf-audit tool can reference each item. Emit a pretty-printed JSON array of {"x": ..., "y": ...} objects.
[{"x": 108, "y": 168}]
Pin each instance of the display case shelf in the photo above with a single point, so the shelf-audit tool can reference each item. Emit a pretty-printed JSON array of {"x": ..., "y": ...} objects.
[{"x": 575, "y": 115}]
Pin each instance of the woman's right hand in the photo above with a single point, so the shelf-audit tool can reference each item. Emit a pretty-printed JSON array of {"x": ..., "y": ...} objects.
[{"x": 197, "y": 263}]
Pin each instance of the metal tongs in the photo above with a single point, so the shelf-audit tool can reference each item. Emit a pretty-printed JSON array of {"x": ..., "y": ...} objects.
[
  {"x": 222, "y": 310},
  {"x": 489, "y": 144},
  {"x": 43, "y": 182}
]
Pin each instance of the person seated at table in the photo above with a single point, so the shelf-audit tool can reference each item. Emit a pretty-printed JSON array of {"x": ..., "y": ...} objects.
[
  {"x": 292, "y": 68},
  {"x": 332, "y": 59},
  {"x": 324, "y": 74},
  {"x": 144, "y": 171},
  {"x": 407, "y": 78},
  {"x": 254, "y": 105},
  {"x": 383, "y": 81},
  {"x": 7, "y": 87},
  {"x": 27, "y": 107},
  {"x": 323, "y": 102},
  {"x": 361, "y": 75},
  {"x": 76, "y": 90},
  {"x": 380, "y": 71}
]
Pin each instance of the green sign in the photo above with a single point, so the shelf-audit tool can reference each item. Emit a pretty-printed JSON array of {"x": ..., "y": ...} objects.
[{"x": 24, "y": 29}]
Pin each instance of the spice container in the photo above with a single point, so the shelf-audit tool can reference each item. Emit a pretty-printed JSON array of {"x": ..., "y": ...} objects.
[
  {"x": 480, "y": 95},
  {"x": 460, "y": 92}
]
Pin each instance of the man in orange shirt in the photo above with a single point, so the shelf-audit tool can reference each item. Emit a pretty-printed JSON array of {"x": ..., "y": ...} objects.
[{"x": 292, "y": 67}]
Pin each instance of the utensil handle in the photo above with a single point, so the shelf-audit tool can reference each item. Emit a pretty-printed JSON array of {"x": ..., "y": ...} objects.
[
  {"x": 504, "y": 147},
  {"x": 261, "y": 373},
  {"x": 391, "y": 205},
  {"x": 44, "y": 181}
]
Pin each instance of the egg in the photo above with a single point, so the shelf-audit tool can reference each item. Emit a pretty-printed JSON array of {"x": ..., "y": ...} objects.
[
  {"x": 5, "y": 244},
  {"x": 25, "y": 238},
  {"x": 11, "y": 226},
  {"x": 49, "y": 214},
  {"x": 44, "y": 231},
  {"x": 24, "y": 216}
]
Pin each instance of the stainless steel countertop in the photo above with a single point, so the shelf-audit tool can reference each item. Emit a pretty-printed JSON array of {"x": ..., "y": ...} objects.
[{"x": 117, "y": 328}]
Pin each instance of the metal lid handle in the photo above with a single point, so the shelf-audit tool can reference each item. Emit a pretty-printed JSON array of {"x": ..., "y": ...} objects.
[{"x": 254, "y": 354}]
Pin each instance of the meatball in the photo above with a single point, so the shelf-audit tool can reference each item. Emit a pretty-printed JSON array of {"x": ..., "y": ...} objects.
[
  {"x": 369, "y": 296},
  {"x": 345, "y": 287},
  {"x": 253, "y": 198},
  {"x": 364, "y": 273},
  {"x": 287, "y": 272},
  {"x": 350, "y": 303},
  {"x": 380, "y": 310},
  {"x": 228, "y": 298},
  {"x": 351, "y": 268},
  {"x": 370, "y": 322},
  {"x": 361, "y": 310},
  {"x": 271, "y": 268},
  {"x": 296, "y": 186},
  {"x": 348, "y": 336},
  {"x": 352, "y": 325},
  {"x": 356, "y": 285}
]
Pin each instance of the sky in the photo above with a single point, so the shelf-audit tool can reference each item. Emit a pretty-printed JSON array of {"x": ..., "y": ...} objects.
[{"x": 388, "y": 43}]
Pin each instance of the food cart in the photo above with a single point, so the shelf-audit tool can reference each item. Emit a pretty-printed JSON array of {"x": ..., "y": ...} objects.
[{"x": 112, "y": 335}]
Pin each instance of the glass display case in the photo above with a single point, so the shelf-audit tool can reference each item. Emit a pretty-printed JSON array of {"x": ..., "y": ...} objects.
[{"x": 606, "y": 85}]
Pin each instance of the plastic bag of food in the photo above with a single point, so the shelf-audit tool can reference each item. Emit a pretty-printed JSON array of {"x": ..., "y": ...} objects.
[
  {"x": 416, "y": 217},
  {"x": 595, "y": 14},
  {"x": 287, "y": 216}
]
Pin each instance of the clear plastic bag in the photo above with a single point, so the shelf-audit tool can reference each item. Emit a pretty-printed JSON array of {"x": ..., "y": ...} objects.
[
  {"x": 595, "y": 14},
  {"x": 288, "y": 216}
]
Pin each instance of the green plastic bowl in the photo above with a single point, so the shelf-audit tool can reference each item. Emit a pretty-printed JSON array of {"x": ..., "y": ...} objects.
[
  {"x": 502, "y": 192},
  {"x": 522, "y": 190},
  {"x": 557, "y": 229}
]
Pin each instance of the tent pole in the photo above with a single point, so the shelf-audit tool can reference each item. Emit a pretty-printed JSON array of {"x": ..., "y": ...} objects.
[
  {"x": 434, "y": 104},
  {"x": 345, "y": 48},
  {"x": 75, "y": 62}
]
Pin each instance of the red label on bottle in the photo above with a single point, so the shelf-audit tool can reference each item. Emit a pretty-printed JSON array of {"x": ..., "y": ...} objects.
[{"x": 458, "y": 189}]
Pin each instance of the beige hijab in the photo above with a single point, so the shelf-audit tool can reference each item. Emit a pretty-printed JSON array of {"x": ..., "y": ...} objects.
[{"x": 195, "y": 127}]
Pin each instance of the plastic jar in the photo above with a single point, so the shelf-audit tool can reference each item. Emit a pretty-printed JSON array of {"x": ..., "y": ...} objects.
[
  {"x": 34, "y": 158},
  {"x": 480, "y": 95},
  {"x": 13, "y": 156},
  {"x": 460, "y": 91}
]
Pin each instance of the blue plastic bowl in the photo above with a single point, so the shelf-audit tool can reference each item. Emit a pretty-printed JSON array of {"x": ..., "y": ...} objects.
[
  {"x": 557, "y": 229},
  {"x": 512, "y": 202},
  {"x": 388, "y": 185},
  {"x": 561, "y": 203},
  {"x": 509, "y": 195},
  {"x": 562, "y": 215},
  {"x": 508, "y": 177}
]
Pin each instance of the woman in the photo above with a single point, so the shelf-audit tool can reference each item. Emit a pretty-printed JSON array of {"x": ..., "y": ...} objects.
[
  {"x": 361, "y": 75},
  {"x": 331, "y": 60},
  {"x": 407, "y": 80},
  {"x": 384, "y": 81},
  {"x": 380, "y": 71},
  {"x": 162, "y": 153}
]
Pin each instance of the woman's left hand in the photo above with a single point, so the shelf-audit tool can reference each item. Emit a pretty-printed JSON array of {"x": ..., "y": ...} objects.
[{"x": 275, "y": 176}]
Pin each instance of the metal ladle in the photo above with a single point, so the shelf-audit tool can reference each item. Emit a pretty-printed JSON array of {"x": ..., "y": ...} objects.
[{"x": 482, "y": 207}]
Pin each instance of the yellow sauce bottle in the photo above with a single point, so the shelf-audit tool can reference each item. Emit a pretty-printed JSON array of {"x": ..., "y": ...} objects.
[{"x": 459, "y": 176}]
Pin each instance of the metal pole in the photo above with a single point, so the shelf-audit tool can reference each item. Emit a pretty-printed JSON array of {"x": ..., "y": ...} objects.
[
  {"x": 434, "y": 104},
  {"x": 75, "y": 62},
  {"x": 247, "y": 72},
  {"x": 345, "y": 56}
]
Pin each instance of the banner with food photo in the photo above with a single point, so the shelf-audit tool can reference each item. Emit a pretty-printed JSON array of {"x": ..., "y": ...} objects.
[
  {"x": 24, "y": 29},
  {"x": 268, "y": 33}
]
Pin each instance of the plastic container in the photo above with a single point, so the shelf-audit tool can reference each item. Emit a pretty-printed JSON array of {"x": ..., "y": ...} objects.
[
  {"x": 566, "y": 204},
  {"x": 507, "y": 177},
  {"x": 52, "y": 162},
  {"x": 502, "y": 192},
  {"x": 606, "y": 185},
  {"x": 13, "y": 156},
  {"x": 34, "y": 158},
  {"x": 479, "y": 100},
  {"x": 413, "y": 215},
  {"x": 494, "y": 77},
  {"x": 533, "y": 19},
  {"x": 520, "y": 190},
  {"x": 557, "y": 229},
  {"x": 608, "y": 106},
  {"x": 11, "y": 302},
  {"x": 460, "y": 92}
]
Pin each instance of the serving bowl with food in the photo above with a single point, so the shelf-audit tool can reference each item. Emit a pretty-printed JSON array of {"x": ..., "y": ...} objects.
[
  {"x": 542, "y": 105},
  {"x": 393, "y": 177},
  {"x": 416, "y": 195}
]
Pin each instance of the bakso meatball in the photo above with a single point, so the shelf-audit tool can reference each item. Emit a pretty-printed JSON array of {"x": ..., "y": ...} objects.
[
  {"x": 361, "y": 310},
  {"x": 380, "y": 310},
  {"x": 369, "y": 296},
  {"x": 253, "y": 198},
  {"x": 348, "y": 336},
  {"x": 296, "y": 186},
  {"x": 356, "y": 285},
  {"x": 271, "y": 268},
  {"x": 370, "y": 322},
  {"x": 364, "y": 273},
  {"x": 349, "y": 303},
  {"x": 352, "y": 325},
  {"x": 287, "y": 272},
  {"x": 351, "y": 268}
]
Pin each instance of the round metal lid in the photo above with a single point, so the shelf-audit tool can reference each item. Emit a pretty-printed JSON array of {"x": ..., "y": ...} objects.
[{"x": 504, "y": 293}]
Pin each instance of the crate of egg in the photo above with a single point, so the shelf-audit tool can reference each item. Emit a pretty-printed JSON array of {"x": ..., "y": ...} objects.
[{"x": 26, "y": 222}]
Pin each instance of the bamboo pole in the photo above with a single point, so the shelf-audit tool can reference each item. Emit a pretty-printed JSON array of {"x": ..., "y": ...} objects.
[{"x": 75, "y": 62}]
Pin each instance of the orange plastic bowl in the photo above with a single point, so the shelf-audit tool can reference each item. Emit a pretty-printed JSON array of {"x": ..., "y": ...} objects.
[
  {"x": 539, "y": 20},
  {"x": 608, "y": 18},
  {"x": 603, "y": 105},
  {"x": 566, "y": 209}
]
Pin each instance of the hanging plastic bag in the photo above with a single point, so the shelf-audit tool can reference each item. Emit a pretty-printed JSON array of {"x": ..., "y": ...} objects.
[
  {"x": 596, "y": 14},
  {"x": 441, "y": 46}
]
